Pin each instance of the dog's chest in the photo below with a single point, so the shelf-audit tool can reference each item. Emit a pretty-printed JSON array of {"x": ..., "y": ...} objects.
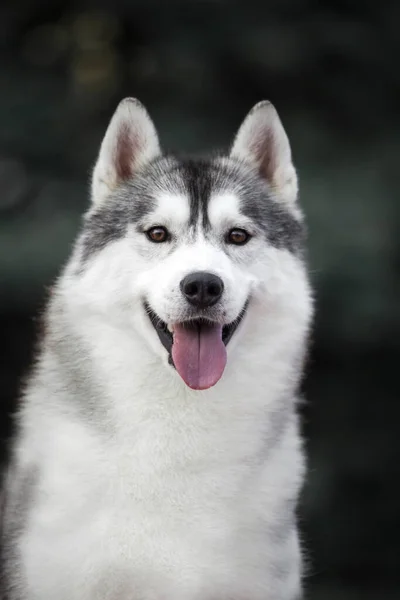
[
  {"x": 187, "y": 484},
  {"x": 188, "y": 529},
  {"x": 183, "y": 507}
]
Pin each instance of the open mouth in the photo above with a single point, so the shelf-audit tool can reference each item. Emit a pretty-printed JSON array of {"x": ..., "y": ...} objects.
[{"x": 197, "y": 348}]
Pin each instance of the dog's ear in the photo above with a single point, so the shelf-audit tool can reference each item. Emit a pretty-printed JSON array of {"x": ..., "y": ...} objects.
[
  {"x": 262, "y": 142},
  {"x": 130, "y": 142}
]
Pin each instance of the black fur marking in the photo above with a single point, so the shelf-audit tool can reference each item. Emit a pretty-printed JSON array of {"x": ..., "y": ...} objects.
[
  {"x": 198, "y": 179},
  {"x": 202, "y": 178}
]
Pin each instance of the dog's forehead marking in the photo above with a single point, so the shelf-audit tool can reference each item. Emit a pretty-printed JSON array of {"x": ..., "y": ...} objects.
[
  {"x": 172, "y": 207},
  {"x": 192, "y": 197},
  {"x": 223, "y": 207}
]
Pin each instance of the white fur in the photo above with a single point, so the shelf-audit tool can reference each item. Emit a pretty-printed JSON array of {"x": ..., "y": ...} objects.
[{"x": 149, "y": 490}]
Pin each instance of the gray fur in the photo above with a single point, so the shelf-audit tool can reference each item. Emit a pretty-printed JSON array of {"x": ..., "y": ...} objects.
[
  {"x": 18, "y": 495},
  {"x": 109, "y": 222},
  {"x": 198, "y": 179}
]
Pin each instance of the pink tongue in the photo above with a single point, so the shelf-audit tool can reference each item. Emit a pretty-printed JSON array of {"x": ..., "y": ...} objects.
[{"x": 199, "y": 354}]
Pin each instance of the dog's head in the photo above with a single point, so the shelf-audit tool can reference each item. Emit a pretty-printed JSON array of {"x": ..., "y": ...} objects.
[{"x": 185, "y": 250}]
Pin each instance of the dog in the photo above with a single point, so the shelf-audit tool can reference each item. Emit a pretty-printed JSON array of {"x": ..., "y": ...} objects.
[{"x": 158, "y": 452}]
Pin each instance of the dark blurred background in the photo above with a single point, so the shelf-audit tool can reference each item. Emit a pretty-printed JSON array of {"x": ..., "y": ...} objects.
[{"x": 331, "y": 68}]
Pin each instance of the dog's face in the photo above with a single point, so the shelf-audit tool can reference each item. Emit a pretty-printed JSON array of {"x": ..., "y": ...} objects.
[{"x": 184, "y": 250}]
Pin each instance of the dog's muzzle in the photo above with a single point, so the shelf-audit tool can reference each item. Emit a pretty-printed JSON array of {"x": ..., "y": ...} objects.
[{"x": 197, "y": 346}]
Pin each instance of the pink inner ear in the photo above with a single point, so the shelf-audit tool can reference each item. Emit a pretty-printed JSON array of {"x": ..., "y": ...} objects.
[
  {"x": 127, "y": 149},
  {"x": 263, "y": 148}
]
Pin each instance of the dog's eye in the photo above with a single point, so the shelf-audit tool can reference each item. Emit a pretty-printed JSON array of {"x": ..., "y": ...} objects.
[
  {"x": 239, "y": 237},
  {"x": 157, "y": 234}
]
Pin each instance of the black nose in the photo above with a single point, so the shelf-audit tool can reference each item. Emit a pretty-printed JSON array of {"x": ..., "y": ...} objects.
[{"x": 202, "y": 289}]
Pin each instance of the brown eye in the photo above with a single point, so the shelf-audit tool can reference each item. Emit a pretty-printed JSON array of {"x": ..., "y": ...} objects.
[
  {"x": 238, "y": 237},
  {"x": 157, "y": 234}
]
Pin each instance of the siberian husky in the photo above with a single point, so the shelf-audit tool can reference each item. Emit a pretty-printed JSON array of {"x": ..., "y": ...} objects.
[{"x": 157, "y": 454}]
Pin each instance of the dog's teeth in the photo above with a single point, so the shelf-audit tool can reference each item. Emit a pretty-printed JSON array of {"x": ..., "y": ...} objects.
[{"x": 170, "y": 328}]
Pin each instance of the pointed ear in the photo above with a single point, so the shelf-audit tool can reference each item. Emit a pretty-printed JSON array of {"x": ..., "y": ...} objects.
[
  {"x": 262, "y": 142},
  {"x": 130, "y": 142}
]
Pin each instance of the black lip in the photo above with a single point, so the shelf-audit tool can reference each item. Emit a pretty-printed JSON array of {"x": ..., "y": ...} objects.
[{"x": 166, "y": 337}]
